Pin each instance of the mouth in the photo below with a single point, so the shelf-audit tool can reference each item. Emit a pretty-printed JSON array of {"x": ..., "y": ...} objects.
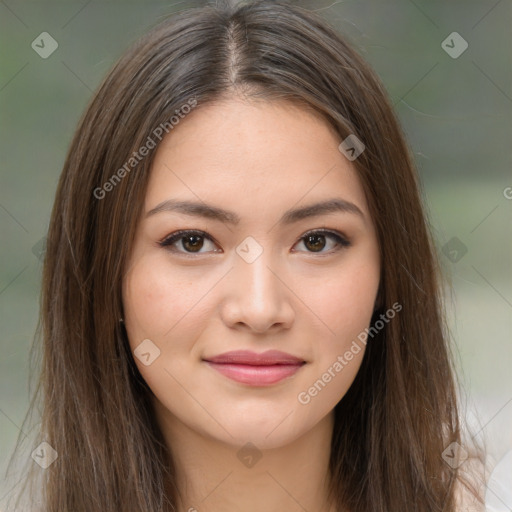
[{"x": 255, "y": 369}]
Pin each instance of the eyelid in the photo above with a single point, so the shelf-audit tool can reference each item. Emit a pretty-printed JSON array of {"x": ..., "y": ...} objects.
[
  {"x": 167, "y": 241},
  {"x": 341, "y": 239}
]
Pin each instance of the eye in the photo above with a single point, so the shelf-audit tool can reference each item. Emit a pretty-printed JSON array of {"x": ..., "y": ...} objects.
[
  {"x": 190, "y": 240},
  {"x": 315, "y": 241}
]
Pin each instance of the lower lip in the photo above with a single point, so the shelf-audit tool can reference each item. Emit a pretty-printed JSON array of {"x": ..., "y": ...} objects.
[{"x": 256, "y": 375}]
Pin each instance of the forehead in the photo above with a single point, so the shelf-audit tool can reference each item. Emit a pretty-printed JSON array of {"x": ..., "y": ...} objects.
[{"x": 254, "y": 156}]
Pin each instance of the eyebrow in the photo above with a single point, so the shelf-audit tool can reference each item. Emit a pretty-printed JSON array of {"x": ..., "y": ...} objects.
[{"x": 214, "y": 212}]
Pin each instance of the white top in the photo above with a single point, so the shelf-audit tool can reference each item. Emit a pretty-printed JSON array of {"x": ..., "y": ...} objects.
[{"x": 498, "y": 495}]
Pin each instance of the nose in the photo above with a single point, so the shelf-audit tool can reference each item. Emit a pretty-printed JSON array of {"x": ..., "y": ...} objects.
[{"x": 257, "y": 297}]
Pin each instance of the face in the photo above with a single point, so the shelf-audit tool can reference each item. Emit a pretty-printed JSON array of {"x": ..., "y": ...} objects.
[{"x": 240, "y": 295}]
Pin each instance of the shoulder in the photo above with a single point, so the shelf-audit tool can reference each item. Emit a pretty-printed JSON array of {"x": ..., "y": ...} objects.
[
  {"x": 484, "y": 487},
  {"x": 470, "y": 486},
  {"x": 499, "y": 488}
]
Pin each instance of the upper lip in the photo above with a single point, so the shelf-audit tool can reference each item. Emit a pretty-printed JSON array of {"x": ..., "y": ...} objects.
[{"x": 270, "y": 357}]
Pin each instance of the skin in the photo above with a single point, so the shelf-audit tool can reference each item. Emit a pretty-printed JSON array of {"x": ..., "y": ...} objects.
[{"x": 258, "y": 160}]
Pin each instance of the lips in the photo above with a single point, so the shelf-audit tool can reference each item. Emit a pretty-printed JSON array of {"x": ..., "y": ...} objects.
[{"x": 255, "y": 369}]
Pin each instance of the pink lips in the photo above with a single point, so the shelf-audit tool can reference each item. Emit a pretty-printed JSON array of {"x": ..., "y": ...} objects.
[{"x": 256, "y": 369}]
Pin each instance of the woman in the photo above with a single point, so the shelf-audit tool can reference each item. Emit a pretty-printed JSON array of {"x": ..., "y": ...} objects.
[{"x": 241, "y": 304}]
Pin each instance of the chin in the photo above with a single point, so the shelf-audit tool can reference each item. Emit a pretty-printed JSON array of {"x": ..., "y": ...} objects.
[
  {"x": 261, "y": 439},
  {"x": 266, "y": 429}
]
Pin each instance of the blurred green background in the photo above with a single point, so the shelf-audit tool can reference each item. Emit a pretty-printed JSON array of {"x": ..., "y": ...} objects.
[{"x": 456, "y": 113}]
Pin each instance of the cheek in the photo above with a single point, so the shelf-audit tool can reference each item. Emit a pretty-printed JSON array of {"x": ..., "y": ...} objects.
[
  {"x": 159, "y": 305},
  {"x": 345, "y": 302},
  {"x": 156, "y": 300},
  {"x": 345, "y": 306},
  {"x": 147, "y": 301},
  {"x": 346, "y": 312}
]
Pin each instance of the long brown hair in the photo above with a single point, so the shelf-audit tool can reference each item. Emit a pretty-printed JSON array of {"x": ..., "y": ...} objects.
[{"x": 399, "y": 415}]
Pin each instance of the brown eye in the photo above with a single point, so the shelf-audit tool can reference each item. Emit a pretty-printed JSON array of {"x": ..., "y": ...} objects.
[
  {"x": 314, "y": 242},
  {"x": 192, "y": 242},
  {"x": 184, "y": 242}
]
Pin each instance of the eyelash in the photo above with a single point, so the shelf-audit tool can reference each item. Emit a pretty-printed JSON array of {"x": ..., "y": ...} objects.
[{"x": 178, "y": 235}]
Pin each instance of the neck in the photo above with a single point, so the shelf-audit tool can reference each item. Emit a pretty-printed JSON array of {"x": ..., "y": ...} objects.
[{"x": 213, "y": 475}]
